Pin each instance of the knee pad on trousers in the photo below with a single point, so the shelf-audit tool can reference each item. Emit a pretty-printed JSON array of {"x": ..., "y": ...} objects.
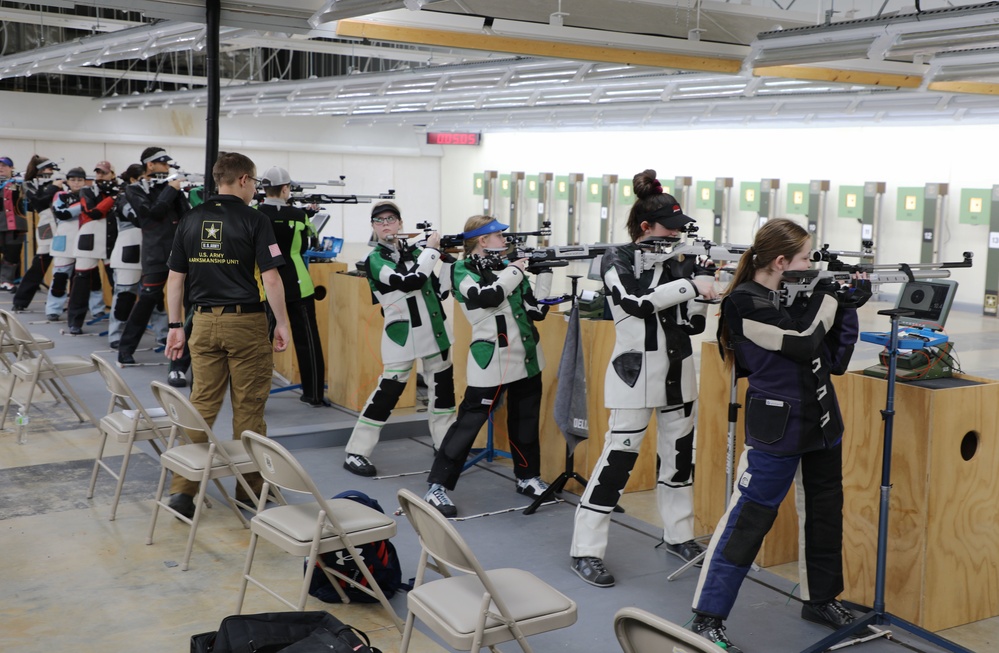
[
  {"x": 59, "y": 281},
  {"x": 384, "y": 400},
  {"x": 751, "y": 526},
  {"x": 123, "y": 307},
  {"x": 613, "y": 477},
  {"x": 444, "y": 389},
  {"x": 684, "y": 461}
]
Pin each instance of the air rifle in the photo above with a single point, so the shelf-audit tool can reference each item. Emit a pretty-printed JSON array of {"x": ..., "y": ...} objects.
[
  {"x": 326, "y": 198},
  {"x": 799, "y": 282}
]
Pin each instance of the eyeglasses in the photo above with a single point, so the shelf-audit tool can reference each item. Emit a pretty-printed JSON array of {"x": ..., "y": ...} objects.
[
  {"x": 388, "y": 219},
  {"x": 253, "y": 179}
]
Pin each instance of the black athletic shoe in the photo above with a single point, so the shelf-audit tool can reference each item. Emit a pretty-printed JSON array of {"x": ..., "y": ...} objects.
[
  {"x": 357, "y": 464},
  {"x": 75, "y": 331},
  {"x": 686, "y": 551},
  {"x": 125, "y": 359},
  {"x": 17, "y": 308},
  {"x": 113, "y": 345},
  {"x": 177, "y": 379},
  {"x": 52, "y": 317},
  {"x": 322, "y": 402},
  {"x": 592, "y": 571},
  {"x": 831, "y": 613},
  {"x": 711, "y": 629},
  {"x": 183, "y": 503}
]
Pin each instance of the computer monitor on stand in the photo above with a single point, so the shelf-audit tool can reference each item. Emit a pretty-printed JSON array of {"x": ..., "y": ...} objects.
[
  {"x": 928, "y": 356},
  {"x": 930, "y": 302}
]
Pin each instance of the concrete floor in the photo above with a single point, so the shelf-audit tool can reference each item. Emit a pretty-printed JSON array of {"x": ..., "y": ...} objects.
[{"x": 72, "y": 580}]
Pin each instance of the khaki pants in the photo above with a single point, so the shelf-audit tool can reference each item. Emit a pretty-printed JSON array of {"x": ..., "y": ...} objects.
[{"x": 229, "y": 351}]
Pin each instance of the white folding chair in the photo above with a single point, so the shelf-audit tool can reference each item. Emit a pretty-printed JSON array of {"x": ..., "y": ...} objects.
[
  {"x": 309, "y": 529},
  {"x": 127, "y": 421},
  {"x": 639, "y": 631},
  {"x": 34, "y": 366},
  {"x": 200, "y": 461},
  {"x": 477, "y": 608}
]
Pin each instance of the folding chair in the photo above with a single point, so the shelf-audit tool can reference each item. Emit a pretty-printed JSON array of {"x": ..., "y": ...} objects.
[
  {"x": 127, "y": 421},
  {"x": 10, "y": 351},
  {"x": 200, "y": 461},
  {"x": 34, "y": 366},
  {"x": 312, "y": 528},
  {"x": 478, "y": 608},
  {"x": 639, "y": 631}
]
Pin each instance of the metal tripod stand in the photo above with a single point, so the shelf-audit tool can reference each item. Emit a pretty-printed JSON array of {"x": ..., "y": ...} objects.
[{"x": 877, "y": 615}]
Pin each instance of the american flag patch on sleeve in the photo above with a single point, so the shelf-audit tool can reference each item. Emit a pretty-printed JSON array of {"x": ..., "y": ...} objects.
[{"x": 274, "y": 250}]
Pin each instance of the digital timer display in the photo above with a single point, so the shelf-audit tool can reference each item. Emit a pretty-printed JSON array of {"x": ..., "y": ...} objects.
[{"x": 453, "y": 138}]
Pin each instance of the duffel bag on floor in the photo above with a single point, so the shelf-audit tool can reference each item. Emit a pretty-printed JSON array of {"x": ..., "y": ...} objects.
[{"x": 277, "y": 632}]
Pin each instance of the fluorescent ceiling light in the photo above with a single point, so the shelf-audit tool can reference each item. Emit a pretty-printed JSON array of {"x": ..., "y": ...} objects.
[
  {"x": 895, "y": 37},
  {"x": 341, "y": 9}
]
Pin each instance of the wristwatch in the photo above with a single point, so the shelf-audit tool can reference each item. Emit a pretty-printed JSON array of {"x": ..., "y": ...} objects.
[{"x": 175, "y": 325}]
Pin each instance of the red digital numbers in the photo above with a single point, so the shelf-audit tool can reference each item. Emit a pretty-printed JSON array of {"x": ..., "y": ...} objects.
[{"x": 452, "y": 138}]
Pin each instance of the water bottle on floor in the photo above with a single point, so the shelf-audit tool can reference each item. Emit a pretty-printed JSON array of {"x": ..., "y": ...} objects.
[{"x": 21, "y": 421}]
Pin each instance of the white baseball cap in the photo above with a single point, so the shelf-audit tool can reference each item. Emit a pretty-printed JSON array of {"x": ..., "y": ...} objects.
[{"x": 276, "y": 177}]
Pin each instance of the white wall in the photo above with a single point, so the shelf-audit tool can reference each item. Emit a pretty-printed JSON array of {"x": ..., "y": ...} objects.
[
  {"x": 901, "y": 156},
  {"x": 373, "y": 160}
]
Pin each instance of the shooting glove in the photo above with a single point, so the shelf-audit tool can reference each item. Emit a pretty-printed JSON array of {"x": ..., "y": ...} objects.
[{"x": 856, "y": 294}]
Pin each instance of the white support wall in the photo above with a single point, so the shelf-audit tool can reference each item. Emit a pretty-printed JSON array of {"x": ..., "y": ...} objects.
[{"x": 374, "y": 159}]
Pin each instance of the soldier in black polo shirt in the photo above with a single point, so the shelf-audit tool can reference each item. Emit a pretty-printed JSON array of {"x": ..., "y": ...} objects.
[{"x": 224, "y": 250}]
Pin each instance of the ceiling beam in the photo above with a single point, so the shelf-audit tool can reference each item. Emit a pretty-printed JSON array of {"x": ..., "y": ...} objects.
[
  {"x": 533, "y": 47},
  {"x": 840, "y": 76},
  {"x": 975, "y": 88}
]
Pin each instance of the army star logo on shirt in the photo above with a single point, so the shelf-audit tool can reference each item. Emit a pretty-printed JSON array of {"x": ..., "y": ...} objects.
[{"x": 211, "y": 234}]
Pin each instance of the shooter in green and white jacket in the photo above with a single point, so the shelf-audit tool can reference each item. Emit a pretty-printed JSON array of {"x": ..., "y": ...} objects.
[{"x": 403, "y": 280}]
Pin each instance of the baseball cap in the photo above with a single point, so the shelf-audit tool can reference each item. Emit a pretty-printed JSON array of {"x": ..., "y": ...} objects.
[
  {"x": 77, "y": 172},
  {"x": 276, "y": 177},
  {"x": 7, "y": 161},
  {"x": 669, "y": 215},
  {"x": 490, "y": 227},
  {"x": 103, "y": 166},
  {"x": 382, "y": 207}
]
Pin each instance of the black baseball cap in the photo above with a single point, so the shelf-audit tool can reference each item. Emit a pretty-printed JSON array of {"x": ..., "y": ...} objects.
[{"x": 669, "y": 215}]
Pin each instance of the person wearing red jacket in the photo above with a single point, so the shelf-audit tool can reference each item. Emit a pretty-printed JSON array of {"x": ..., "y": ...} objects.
[{"x": 97, "y": 202}]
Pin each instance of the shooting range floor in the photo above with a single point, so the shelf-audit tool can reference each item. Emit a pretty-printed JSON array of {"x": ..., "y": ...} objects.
[{"x": 71, "y": 579}]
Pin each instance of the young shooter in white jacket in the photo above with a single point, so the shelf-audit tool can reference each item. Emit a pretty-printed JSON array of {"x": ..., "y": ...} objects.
[{"x": 651, "y": 372}]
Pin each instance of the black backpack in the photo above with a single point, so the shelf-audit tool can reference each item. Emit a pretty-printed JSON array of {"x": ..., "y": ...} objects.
[
  {"x": 290, "y": 632},
  {"x": 380, "y": 557}
]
